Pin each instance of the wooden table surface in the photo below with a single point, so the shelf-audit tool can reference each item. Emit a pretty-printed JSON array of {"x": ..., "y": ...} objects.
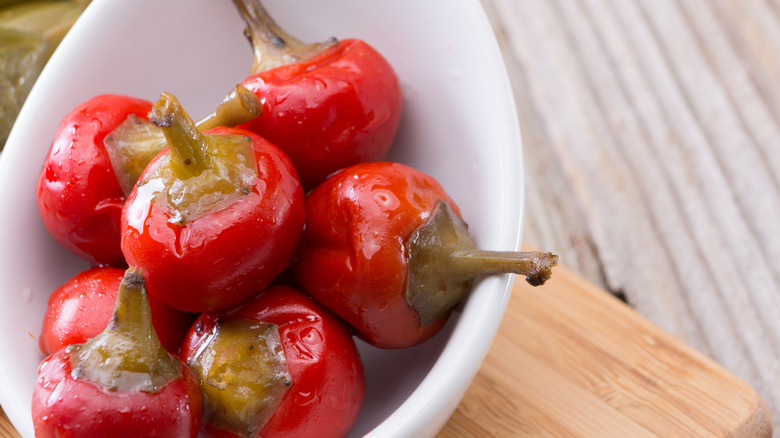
[{"x": 651, "y": 134}]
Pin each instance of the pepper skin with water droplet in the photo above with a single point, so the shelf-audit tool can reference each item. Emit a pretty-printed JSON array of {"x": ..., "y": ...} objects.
[
  {"x": 327, "y": 105},
  {"x": 385, "y": 248},
  {"x": 327, "y": 384},
  {"x": 82, "y": 307},
  {"x": 214, "y": 218},
  {"x": 97, "y": 154},
  {"x": 120, "y": 383},
  {"x": 79, "y": 198}
]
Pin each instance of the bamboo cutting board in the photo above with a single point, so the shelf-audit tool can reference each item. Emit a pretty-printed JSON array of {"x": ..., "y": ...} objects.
[{"x": 572, "y": 361}]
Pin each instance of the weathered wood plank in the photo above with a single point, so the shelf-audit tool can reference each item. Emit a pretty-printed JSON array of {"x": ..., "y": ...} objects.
[
  {"x": 6, "y": 428},
  {"x": 651, "y": 132}
]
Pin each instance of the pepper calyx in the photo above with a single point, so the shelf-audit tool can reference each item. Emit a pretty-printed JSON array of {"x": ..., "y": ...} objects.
[
  {"x": 243, "y": 372},
  {"x": 203, "y": 172},
  {"x": 443, "y": 262},
  {"x": 133, "y": 144},
  {"x": 127, "y": 355},
  {"x": 272, "y": 45}
]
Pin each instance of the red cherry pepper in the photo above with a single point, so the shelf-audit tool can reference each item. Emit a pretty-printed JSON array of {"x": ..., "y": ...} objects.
[
  {"x": 98, "y": 152},
  {"x": 384, "y": 247},
  {"x": 120, "y": 383},
  {"x": 326, "y": 105},
  {"x": 322, "y": 390},
  {"x": 214, "y": 218},
  {"x": 79, "y": 198},
  {"x": 82, "y": 307}
]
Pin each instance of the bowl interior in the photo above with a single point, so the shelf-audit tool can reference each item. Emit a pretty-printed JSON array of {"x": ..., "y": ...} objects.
[{"x": 459, "y": 125}]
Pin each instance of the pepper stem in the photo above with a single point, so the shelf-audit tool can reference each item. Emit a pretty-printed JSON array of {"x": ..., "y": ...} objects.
[
  {"x": 536, "y": 266},
  {"x": 239, "y": 106},
  {"x": 272, "y": 45},
  {"x": 136, "y": 141},
  {"x": 187, "y": 144},
  {"x": 132, "y": 311},
  {"x": 127, "y": 355},
  {"x": 443, "y": 261}
]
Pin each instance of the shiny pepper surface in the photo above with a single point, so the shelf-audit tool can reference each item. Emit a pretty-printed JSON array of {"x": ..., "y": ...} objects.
[
  {"x": 341, "y": 107},
  {"x": 119, "y": 383},
  {"x": 352, "y": 257},
  {"x": 81, "y": 308},
  {"x": 326, "y": 385},
  {"x": 98, "y": 152},
  {"x": 385, "y": 248},
  {"x": 79, "y": 198},
  {"x": 214, "y": 218},
  {"x": 328, "y": 105}
]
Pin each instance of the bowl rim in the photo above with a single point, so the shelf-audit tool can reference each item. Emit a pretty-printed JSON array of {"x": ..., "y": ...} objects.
[{"x": 437, "y": 398}]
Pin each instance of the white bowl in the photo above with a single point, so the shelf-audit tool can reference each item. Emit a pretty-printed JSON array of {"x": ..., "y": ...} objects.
[{"x": 459, "y": 125}]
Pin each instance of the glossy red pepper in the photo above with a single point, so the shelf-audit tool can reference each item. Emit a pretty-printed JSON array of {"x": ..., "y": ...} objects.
[
  {"x": 82, "y": 307},
  {"x": 79, "y": 197},
  {"x": 214, "y": 218},
  {"x": 120, "y": 383},
  {"x": 327, "y": 105},
  {"x": 384, "y": 247},
  {"x": 324, "y": 385},
  {"x": 98, "y": 153}
]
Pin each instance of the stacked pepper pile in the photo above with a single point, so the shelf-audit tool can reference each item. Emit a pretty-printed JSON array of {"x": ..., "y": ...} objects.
[{"x": 235, "y": 258}]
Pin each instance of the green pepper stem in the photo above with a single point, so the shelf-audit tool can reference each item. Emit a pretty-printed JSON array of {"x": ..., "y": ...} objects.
[
  {"x": 132, "y": 312},
  {"x": 536, "y": 266},
  {"x": 127, "y": 355},
  {"x": 135, "y": 142},
  {"x": 443, "y": 261},
  {"x": 239, "y": 106},
  {"x": 272, "y": 45},
  {"x": 185, "y": 140}
]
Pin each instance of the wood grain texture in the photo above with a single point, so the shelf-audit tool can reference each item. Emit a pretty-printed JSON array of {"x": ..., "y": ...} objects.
[
  {"x": 6, "y": 428},
  {"x": 570, "y": 360},
  {"x": 651, "y": 134}
]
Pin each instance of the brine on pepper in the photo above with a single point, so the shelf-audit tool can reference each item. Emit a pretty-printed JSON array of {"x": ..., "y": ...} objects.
[
  {"x": 79, "y": 197},
  {"x": 279, "y": 365},
  {"x": 327, "y": 105},
  {"x": 120, "y": 383},
  {"x": 99, "y": 150},
  {"x": 215, "y": 217},
  {"x": 82, "y": 307},
  {"x": 385, "y": 248}
]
